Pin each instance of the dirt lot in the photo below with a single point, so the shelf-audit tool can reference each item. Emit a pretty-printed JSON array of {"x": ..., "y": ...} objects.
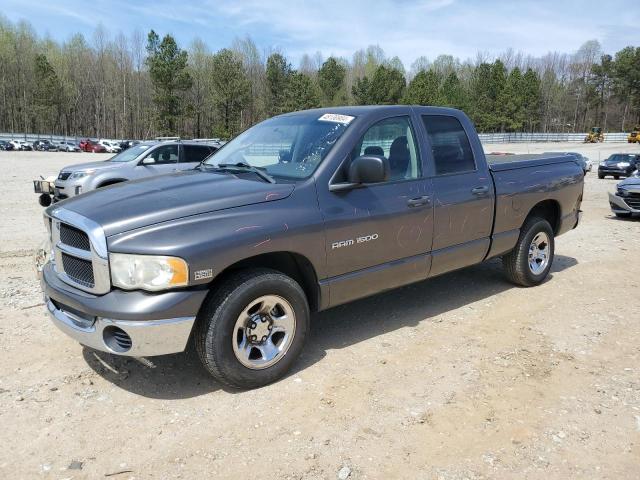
[{"x": 461, "y": 377}]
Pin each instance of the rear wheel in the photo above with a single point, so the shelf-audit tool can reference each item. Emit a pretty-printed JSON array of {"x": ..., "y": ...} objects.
[
  {"x": 616, "y": 177},
  {"x": 252, "y": 329},
  {"x": 528, "y": 264}
]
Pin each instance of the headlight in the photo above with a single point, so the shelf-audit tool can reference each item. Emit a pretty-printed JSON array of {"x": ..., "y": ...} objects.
[
  {"x": 81, "y": 174},
  {"x": 147, "y": 272}
]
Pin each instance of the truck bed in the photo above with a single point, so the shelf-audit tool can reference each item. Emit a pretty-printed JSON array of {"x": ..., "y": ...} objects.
[{"x": 499, "y": 163}]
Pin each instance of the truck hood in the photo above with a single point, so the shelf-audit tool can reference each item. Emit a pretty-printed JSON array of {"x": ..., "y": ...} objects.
[
  {"x": 139, "y": 203},
  {"x": 102, "y": 165}
]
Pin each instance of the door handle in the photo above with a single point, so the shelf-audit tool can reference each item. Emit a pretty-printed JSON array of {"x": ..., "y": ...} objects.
[
  {"x": 419, "y": 201},
  {"x": 480, "y": 190}
]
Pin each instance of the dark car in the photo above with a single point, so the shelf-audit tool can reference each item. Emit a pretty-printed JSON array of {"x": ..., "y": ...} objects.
[
  {"x": 5, "y": 145},
  {"x": 619, "y": 165},
  {"x": 44, "y": 146}
]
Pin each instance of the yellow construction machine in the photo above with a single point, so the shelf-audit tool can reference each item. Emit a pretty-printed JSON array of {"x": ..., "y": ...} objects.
[{"x": 594, "y": 136}]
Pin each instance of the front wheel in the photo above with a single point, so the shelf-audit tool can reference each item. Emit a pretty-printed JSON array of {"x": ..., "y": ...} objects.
[
  {"x": 252, "y": 329},
  {"x": 528, "y": 264}
]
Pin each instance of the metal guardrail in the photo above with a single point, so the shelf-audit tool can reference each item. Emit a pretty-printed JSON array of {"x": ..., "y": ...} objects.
[
  {"x": 484, "y": 138},
  {"x": 31, "y": 137},
  {"x": 546, "y": 137}
]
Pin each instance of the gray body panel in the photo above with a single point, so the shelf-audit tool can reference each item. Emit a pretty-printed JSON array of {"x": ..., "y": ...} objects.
[{"x": 215, "y": 220}]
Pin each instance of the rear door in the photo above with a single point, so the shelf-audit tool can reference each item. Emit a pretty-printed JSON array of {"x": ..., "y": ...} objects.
[
  {"x": 463, "y": 196},
  {"x": 192, "y": 155},
  {"x": 378, "y": 235}
]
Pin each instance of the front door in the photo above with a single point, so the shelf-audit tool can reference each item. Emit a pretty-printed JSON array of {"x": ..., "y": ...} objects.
[
  {"x": 162, "y": 159},
  {"x": 378, "y": 236}
]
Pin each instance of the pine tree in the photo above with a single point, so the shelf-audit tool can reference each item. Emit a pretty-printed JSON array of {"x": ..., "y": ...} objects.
[
  {"x": 230, "y": 92},
  {"x": 302, "y": 93},
  {"x": 47, "y": 95},
  {"x": 531, "y": 99},
  {"x": 423, "y": 89},
  {"x": 278, "y": 76},
  {"x": 330, "y": 80},
  {"x": 452, "y": 93},
  {"x": 361, "y": 90},
  {"x": 510, "y": 105},
  {"x": 170, "y": 78},
  {"x": 387, "y": 86}
]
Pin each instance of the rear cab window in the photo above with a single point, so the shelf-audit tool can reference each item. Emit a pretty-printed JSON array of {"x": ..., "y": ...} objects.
[{"x": 449, "y": 145}]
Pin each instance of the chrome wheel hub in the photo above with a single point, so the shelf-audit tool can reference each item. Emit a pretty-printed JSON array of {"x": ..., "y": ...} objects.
[
  {"x": 539, "y": 252},
  {"x": 263, "y": 332},
  {"x": 259, "y": 329}
]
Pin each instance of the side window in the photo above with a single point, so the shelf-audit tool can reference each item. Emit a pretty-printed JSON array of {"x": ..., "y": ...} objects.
[
  {"x": 165, "y": 154},
  {"x": 449, "y": 144},
  {"x": 393, "y": 139},
  {"x": 195, "y": 153}
]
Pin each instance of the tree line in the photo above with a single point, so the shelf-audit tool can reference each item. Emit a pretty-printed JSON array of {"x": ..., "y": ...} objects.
[{"x": 140, "y": 86}]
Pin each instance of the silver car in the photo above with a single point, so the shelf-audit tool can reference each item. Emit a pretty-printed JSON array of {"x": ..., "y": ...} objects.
[
  {"x": 626, "y": 200},
  {"x": 143, "y": 160}
]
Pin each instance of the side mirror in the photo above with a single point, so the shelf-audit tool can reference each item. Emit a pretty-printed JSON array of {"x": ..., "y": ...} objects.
[
  {"x": 148, "y": 161},
  {"x": 369, "y": 169}
]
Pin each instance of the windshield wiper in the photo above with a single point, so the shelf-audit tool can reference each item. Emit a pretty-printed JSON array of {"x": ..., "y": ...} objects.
[{"x": 244, "y": 167}]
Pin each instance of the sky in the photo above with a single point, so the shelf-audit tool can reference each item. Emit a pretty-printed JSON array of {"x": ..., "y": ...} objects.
[{"x": 405, "y": 28}]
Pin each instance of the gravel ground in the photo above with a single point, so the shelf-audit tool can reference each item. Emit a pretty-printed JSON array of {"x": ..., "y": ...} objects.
[{"x": 461, "y": 377}]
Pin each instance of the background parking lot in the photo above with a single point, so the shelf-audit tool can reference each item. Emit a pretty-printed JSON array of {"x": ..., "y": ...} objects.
[{"x": 463, "y": 376}]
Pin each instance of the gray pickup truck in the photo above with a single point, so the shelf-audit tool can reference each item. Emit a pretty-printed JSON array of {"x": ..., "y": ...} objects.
[{"x": 300, "y": 213}]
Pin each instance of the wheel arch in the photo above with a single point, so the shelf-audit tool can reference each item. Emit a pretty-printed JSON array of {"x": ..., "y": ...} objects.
[
  {"x": 550, "y": 210},
  {"x": 294, "y": 265},
  {"x": 111, "y": 181}
]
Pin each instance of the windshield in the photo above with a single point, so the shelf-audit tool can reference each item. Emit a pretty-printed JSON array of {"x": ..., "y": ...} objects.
[
  {"x": 130, "y": 153},
  {"x": 621, "y": 158},
  {"x": 291, "y": 146}
]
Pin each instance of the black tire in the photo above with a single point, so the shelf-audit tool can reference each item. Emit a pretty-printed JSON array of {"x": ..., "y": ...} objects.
[
  {"x": 616, "y": 177},
  {"x": 622, "y": 214},
  {"x": 600, "y": 176},
  {"x": 516, "y": 262},
  {"x": 216, "y": 324}
]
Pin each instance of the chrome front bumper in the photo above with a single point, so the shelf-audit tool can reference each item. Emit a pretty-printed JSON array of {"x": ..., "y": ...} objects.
[
  {"x": 618, "y": 204},
  {"x": 145, "y": 338}
]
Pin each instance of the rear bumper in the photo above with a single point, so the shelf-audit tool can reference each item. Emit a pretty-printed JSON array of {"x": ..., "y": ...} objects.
[{"x": 155, "y": 323}]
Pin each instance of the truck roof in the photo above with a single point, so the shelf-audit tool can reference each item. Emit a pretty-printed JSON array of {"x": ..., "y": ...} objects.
[{"x": 363, "y": 110}]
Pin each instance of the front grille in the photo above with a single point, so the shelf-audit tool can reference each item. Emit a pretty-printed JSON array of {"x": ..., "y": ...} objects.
[
  {"x": 78, "y": 270},
  {"x": 79, "y": 252},
  {"x": 74, "y": 237},
  {"x": 64, "y": 175},
  {"x": 633, "y": 202}
]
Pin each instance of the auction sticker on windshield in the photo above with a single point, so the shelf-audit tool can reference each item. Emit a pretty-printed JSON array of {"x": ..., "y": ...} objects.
[{"x": 337, "y": 118}]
